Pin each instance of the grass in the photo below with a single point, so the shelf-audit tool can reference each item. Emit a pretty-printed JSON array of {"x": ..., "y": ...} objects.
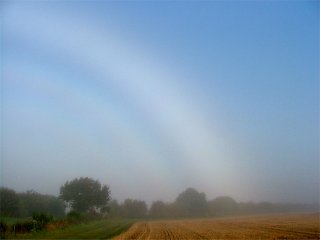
[
  {"x": 103, "y": 229},
  {"x": 12, "y": 220}
]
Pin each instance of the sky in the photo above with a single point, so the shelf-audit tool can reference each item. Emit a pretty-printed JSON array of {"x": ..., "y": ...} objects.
[{"x": 152, "y": 97}]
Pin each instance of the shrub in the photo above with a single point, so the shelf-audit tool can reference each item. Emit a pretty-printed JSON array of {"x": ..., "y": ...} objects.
[
  {"x": 74, "y": 217},
  {"x": 3, "y": 229},
  {"x": 22, "y": 227},
  {"x": 41, "y": 220},
  {"x": 92, "y": 215}
]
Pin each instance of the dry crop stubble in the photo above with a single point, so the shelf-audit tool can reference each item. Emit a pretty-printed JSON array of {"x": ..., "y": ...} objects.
[{"x": 289, "y": 226}]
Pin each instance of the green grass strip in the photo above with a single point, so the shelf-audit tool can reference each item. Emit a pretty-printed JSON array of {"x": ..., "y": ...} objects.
[{"x": 104, "y": 229}]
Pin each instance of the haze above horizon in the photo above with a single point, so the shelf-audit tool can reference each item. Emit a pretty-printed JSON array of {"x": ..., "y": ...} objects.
[{"x": 153, "y": 97}]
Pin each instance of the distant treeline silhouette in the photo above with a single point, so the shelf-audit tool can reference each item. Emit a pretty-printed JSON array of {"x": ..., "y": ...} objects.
[{"x": 189, "y": 203}]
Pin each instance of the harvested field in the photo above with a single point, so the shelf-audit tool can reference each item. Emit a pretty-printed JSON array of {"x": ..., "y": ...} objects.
[{"x": 290, "y": 226}]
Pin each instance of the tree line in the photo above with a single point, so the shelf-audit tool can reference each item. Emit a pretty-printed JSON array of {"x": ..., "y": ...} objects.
[
  {"x": 25, "y": 204},
  {"x": 86, "y": 195},
  {"x": 191, "y": 203}
]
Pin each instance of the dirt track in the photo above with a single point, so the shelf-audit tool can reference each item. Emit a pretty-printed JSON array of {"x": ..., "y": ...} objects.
[{"x": 263, "y": 227}]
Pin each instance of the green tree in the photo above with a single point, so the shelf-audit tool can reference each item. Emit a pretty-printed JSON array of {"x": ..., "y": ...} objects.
[
  {"x": 85, "y": 193},
  {"x": 9, "y": 202},
  {"x": 55, "y": 206},
  {"x": 192, "y": 203},
  {"x": 33, "y": 202}
]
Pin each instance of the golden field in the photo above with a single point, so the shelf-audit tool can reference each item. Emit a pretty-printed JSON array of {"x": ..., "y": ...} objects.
[{"x": 289, "y": 226}]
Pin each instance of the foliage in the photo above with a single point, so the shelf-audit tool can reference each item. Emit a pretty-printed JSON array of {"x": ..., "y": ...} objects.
[
  {"x": 130, "y": 208},
  {"x": 90, "y": 201},
  {"x": 85, "y": 193},
  {"x": 103, "y": 229},
  {"x": 41, "y": 220},
  {"x": 32, "y": 202},
  {"x": 192, "y": 203},
  {"x": 3, "y": 229},
  {"x": 222, "y": 206},
  {"x": 9, "y": 202},
  {"x": 25, "y": 226},
  {"x": 114, "y": 209},
  {"x": 158, "y": 209},
  {"x": 38, "y": 222},
  {"x": 25, "y": 204},
  {"x": 134, "y": 208},
  {"x": 73, "y": 215}
]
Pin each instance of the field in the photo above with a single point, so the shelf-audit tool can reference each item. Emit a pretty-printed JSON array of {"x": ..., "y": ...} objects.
[
  {"x": 104, "y": 229},
  {"x": 11, "y": 220},
  {"x": 290, "y": 226}
]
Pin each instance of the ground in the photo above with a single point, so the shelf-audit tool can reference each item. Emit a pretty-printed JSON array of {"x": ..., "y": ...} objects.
[{"x": 289, "y": 226}]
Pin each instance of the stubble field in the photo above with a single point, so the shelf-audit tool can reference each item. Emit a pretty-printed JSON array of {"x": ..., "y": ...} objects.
[{"x": 289, "y": 226}]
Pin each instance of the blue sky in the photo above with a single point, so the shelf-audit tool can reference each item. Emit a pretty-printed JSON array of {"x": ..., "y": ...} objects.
[{"x": 153, "y": 97}]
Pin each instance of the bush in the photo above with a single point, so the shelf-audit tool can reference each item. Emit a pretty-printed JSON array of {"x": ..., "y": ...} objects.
[
  {"x": 74, "y": 217},
  {"x": 57, "y": 224},
  {"x": 41, "y": 220},
  {"x": 3, "y": 229},
  {"x": 22, "y": 227},
  {"x": 92, "y": 215}
]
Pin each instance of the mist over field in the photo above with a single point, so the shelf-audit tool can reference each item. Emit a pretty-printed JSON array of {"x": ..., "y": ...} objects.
[{"x": 153, "y": 97}]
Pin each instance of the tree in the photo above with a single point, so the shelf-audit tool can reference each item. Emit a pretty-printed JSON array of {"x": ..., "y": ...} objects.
[
  {"x": 192, "y": 203},
  {"x": 114, "y": 209},
  {"x": 134, "y": 208},
  {"x": 173, "y": 210},
  {"x": 158, "y": 209},
  {"x": 56, "y": 206},
  {"x": 9, "y": 202},
  {"x": 223, "y": 206},
  {"x": 247, "y": 207},
  {"x": 32, "y": 202},
  {"x": 85, "y": 193}
]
